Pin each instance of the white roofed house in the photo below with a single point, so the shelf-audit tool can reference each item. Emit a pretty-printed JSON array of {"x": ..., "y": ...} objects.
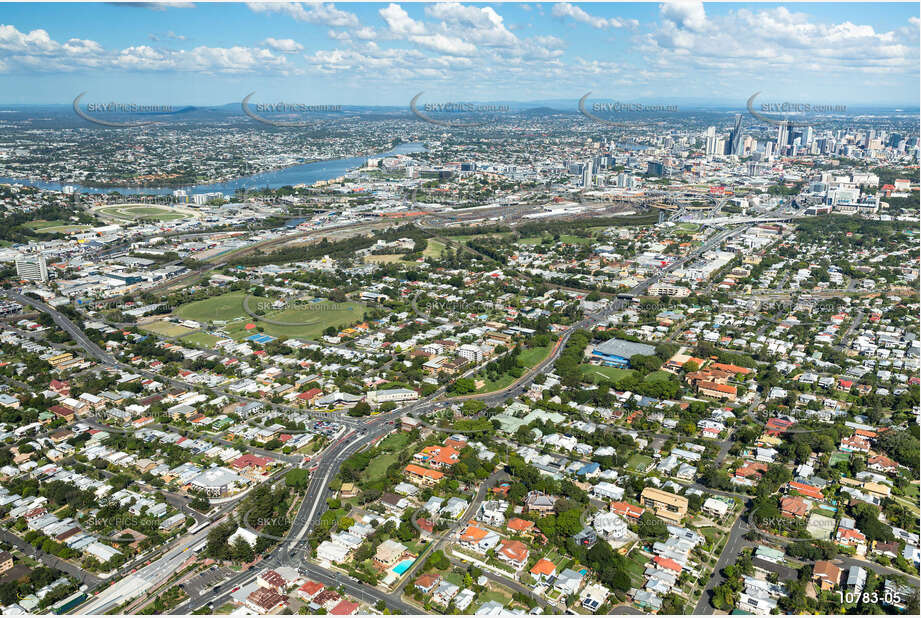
[
  {"x": 332, "y": 552},
  {"x": 610, "y": 525},
  {"x": 608, "y": 491}
]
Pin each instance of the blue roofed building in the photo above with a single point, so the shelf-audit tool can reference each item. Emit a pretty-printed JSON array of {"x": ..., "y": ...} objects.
[{"x": 617, "y": 352}]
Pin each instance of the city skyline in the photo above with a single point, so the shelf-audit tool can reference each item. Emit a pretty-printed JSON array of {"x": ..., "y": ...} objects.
[{"x": 382, "y": 54}]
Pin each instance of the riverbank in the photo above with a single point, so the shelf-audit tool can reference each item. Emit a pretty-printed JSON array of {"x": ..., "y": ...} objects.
[{"x": 302, "y": 173}]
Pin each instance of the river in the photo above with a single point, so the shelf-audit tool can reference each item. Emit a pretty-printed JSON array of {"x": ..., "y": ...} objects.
[{"x": 306, "y": 173}]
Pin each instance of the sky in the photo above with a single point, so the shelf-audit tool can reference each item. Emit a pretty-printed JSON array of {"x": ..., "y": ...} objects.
[{"x": 385, "y": 53}]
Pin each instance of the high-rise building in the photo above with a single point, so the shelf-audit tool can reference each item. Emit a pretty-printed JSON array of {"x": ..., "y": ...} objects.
[
  {"x": 783, "y": 137},
  {"x": 32, "y": 268},
  {"x": 710, "y": 147},
  {"x": 587, "y": 175},
  {"x": 808, "y": 135},
  {"x": 735, "y": 137}
]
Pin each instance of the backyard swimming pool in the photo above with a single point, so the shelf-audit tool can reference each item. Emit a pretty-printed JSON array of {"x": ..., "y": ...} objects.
[{"x": 403, "y": 566}]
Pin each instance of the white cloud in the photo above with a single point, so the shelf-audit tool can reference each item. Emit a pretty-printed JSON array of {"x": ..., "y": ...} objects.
[
  {"x": 314, "y": 13},
  {"x": 445, "y": 44},
  {"x": 399, "y": 22},
  {"x": 286, "y": 46},
  {"x": 744, "y": 42},
  {"x": 689, "y": 15},
  {"x": 564, "y": 9},
  {"x": 36, "y": 51}
]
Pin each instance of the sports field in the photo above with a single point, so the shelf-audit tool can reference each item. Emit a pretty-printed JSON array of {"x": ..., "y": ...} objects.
[
  {"x": 305, "y": 320},
  {"x": 594, "y": 373},
  {"x": 384, "y": 258},
  {"x": 217, "y": 308},
  {"x": 638, "y": 463},
  {"x": 167, "y": 329},
  {"x": 57, "y": 226},
  {"x": 434, "y": 249},
  {"x": 134, "y": 212},
  {"x": 201, "y": 340}
]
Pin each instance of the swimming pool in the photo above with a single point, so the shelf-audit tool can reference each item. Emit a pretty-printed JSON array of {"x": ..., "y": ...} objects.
[{"x": 403, "y": 566}]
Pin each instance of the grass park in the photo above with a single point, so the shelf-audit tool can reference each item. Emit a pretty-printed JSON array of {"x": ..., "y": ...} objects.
[
  {"x": 201, "y": 340},
  {"x": 638, "y": 463},
  {"x": 594, "y": 373},
  {"x": 135, "y": 212},
  {"x": 434, "y": 249},
  {"x": 305, "y": 320},
  {"x": 57, "y": 226},
  {"x": 383, "y": 258},
  {"x": 528, "y": 359},
  {"x": 167, "y": 329},
  {"x": 568, "y": 239}
]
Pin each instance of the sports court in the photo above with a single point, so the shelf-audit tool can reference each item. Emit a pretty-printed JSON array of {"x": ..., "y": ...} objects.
[{"x": 260, "y": 338}]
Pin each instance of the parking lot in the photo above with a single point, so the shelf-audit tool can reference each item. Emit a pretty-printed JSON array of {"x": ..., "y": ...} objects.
[{"x": 206, "y": 580}]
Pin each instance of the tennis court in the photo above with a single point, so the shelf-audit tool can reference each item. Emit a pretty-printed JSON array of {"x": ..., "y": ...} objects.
[{"x": 260, "y": 338}]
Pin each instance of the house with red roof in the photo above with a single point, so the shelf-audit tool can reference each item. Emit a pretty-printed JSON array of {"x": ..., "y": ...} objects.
[
  {"x": 667, "y": 564},
  {"x": 423, "y": 475},
  {"x": 625, "y": 509},
  {"x": 855, "y": 444},
  {"x": 717, "y": 391},
  {"x": 851, "y": 538},
  {"x": 845, "y": 385},
  {"x": 793, "y": 507},
  {"x": 751, "y": 470},
  {"x": 309, "y": 589},
  {"x": 308, "y": 396},
  {"x": 543, "y": 569},
  {"x": 806, "y": 490},
  {"x": 426, "y": 583},
  {"x": 60, "y": 387},
  {"x": 777, "y": 426},
  {"x": 881, "y": 463},
  {"x": 344, "y": 608},
  {"x": 516, "y": 525},
  {"x": 514, "y": 553},
  {"x": 438, "y": 457},
  {"x": 252, "y": 464},
  {"x": 265, "y": 601}
]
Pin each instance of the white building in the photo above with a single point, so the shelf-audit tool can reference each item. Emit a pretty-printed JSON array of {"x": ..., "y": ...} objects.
[{"x": 32, "y": 268}]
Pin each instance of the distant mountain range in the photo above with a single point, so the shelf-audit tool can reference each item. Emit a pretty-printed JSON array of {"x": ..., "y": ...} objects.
[{"x": 537, "y": 107}]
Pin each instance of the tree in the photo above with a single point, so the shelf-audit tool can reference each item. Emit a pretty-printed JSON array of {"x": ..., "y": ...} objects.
[
  {"x": 463, "y": 386},
  {"x": 438, "y": 560},
  {"x": 360, "y": 409},
  {"x": 651, "y": 526},
  {"x": 296, "y": 478}
]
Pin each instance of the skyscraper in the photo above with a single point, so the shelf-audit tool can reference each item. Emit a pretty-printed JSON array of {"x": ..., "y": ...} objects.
[
  {"x": 735, "y": 137},
  {"x": 587, "y": 175},
  {"x": 711, "y": 143},
  {"x": 782, "y": 137}
]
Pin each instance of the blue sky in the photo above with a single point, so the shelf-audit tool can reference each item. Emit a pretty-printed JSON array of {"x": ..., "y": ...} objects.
[{"x": 384, "y": 53}]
